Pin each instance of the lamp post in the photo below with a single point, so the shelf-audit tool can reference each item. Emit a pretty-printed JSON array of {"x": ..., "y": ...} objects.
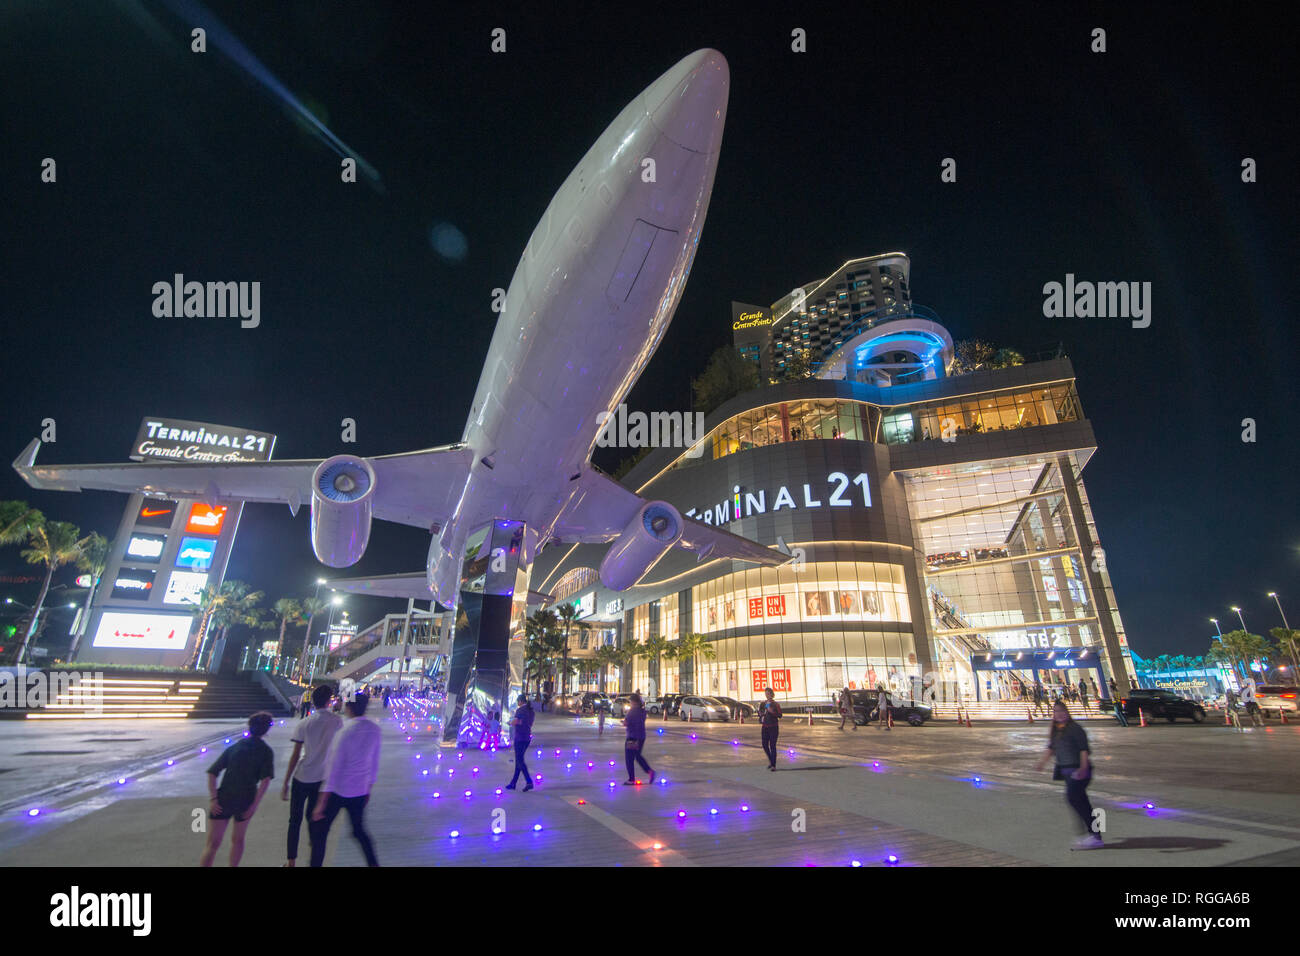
[
  {"x": 26, "y": 650},
  {"x": 1215, "y": 622},
  {"x": 1273, "y": 595},
  {"x": 1290, "y": 641},
  {"x": 1239, "y": 617}
]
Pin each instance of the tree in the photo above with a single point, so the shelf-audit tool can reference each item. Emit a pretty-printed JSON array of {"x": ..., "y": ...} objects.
[
  {"x": 1242, "y": 647},
  {"x": 693, "y": 647},
  {"x": 53, "y": 544},
  {"x": 654, "y": 649},
  {"x": 567, "y": 617},
  {"x": 232, "y": 603},
  {"x": 971, "y": 354},
  {"x": 542, "y": 630},
  {"x": 310, "y": 608},
  {"x": 628, "y": 652},
  {"x": 1288, "y": 643},
  {"x": 798, "y": 366},
  {"x": 93, "y": 561},
  {"x": 1006, "y": 358},
  {"x": 607, "y": 656},
  {"x": 17, "y": 521},
  {"x": 289, "y": 611},
  {"x": 727, "y": 375}
]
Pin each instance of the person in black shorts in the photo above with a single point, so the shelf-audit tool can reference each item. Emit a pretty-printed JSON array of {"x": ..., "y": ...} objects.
[{"x": 248, "y": 765}]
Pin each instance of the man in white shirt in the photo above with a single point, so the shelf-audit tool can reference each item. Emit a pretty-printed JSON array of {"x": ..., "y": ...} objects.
[
  {"x": 352, "y": 767},
  {"x": 306, "y": 774}
]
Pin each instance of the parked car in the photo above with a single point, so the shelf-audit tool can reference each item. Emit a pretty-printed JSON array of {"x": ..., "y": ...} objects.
[
  {"x": 867, "y": 702},
  {"x": 592, "y": 701},
  {"x": 738, "y": 708},
  {"x": 620, "y": 705},
  {"x": 1161, "y": 703},
  {"x": 1276, "y": 698},
  {"x": 703, "y": 708}
]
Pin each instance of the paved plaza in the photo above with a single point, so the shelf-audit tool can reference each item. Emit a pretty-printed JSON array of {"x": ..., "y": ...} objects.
[{"x": 1219, "y": 797}]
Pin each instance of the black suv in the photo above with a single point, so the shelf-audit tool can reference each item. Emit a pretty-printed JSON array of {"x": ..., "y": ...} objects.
[
  {"x": 1161, "y": 703},
  {"x": 866, "y": 704},
  {"x": 593, "y": 700},
  {"x": 737, "y": 708}
]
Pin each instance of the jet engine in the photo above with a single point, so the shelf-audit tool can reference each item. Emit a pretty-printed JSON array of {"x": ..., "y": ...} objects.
[
  {"x": 342, "y": 491},
  {"x": 646, "y": 539}
]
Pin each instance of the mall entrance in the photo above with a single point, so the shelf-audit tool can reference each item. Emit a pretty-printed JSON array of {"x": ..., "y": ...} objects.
[{"x": 1010, "y": 675}]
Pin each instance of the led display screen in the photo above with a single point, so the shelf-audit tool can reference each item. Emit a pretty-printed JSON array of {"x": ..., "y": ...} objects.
[
  {"x": 145, "y": 632},
  {"x": 196, "y": 553}
]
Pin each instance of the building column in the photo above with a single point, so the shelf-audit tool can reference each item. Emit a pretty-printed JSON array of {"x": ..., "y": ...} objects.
[{"x": 1110, "y": 638}]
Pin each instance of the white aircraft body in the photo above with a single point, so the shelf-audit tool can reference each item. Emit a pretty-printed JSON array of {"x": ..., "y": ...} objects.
[{"x": 592, "y": 296}]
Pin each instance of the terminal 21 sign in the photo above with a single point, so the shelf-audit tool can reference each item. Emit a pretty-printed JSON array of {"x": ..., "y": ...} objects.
[
  {"x": 170, "y": 439},
  {"x": 839, "y": 491}
]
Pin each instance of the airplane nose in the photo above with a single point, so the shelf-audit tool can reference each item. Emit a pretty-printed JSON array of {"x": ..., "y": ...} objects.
[{"x": 689, "y": 103}]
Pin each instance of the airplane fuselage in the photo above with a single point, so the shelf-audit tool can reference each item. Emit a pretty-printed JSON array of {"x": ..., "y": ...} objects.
[{"x": 590, "y": 300}]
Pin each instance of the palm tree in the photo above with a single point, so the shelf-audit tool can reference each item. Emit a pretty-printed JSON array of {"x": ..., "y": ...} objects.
[
  {"x": 221, "y": 607},
  {"x": 541, "y": 629},
  {"x": 54, "y": 544},
  {"x": 1005, "y": 358},
  {"x": 654, "y": 649},
  {"x": 1243, "y": 648},
  {"x": 567, "y": 617},
  {"x": 695, "y": 646},
  {"x": 607, "y": 655},
  {"x": 310, "y": 607},
  {"x": 630, "y": 650},
  {"x": 289, "y": 611},
  {"x": 1288, "y": 643},
  {"x": 17, "y": 521},
  {"x": 93, "y": 560},
  {"x": 240, "y": 608}
]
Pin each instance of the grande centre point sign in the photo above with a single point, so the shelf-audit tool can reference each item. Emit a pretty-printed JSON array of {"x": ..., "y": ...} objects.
[{"x": 171, "y": 439}]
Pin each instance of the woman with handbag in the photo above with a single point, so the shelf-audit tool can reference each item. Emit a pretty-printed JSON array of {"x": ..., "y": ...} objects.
[
  {"x": 1069, "y": 744},
  {"x": 634, "y": 747}
]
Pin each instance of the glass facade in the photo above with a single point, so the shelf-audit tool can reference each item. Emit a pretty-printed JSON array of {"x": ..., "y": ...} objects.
[{"x": 806, "y": 634}]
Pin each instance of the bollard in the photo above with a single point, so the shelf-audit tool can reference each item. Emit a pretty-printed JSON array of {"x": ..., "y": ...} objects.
[
  {"x": 1142, "y": 717},
  {"x": 810, "y": 717},
  {"x": 1030, "y": 714}
]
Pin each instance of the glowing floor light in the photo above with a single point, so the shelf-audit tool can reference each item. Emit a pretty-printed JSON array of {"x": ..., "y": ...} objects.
[{"x": 34, "y": 811}]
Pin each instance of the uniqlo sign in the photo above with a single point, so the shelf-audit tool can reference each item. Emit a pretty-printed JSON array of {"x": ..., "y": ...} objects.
[
  {"x": 781, "y": 680},
  {"x": 760, "y": 681},
  {"x": 756, "y": 607},
  {"x": 775, "y": 605}
]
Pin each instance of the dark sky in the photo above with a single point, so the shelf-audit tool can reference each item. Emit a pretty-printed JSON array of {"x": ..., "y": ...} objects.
[{"x": 1116, "y": 166}]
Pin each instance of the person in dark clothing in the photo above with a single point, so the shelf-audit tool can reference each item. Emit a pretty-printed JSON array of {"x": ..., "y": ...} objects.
[
  {"x": 522, "y": 734},
  {"x": 1038, "y": 697},
  {"x": 1083, "y": 694},
  {"x": 1068, "y": 743},
  {"x": 769, "y": 717},
  {"x": 634, "y": 746},
  {"x": 248, "y": 765}
]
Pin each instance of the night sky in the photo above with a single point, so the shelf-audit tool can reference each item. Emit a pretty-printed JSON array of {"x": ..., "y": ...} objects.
[{"x": 1117, "y": 166}]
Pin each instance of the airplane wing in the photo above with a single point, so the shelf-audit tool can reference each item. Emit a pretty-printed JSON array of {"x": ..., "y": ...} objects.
[
  {"x": 603, "y": 508},
  {"x": 417, "y": 488}
]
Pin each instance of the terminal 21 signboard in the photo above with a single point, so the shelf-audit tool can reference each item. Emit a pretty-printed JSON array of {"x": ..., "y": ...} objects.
[{"x": 167, "y": 551}]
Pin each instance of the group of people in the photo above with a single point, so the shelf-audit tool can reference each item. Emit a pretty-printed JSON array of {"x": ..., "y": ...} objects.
[
  {"x": 634, "y": 719},
  {"x": 881, "y": 714},
  {"x": 332, "y": 769}
]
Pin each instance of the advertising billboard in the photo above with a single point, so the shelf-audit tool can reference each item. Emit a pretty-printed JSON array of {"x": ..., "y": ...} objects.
[
  {"x": 156, "y": 513},
  {"x": 131, "y": 584},
  {"x": 205, "y": 520},
  {"x": 185, "y": 587},
  {"x": 160, "y": 632},
  {"x": 173, "y": 439},
  {"x": 196, "y": 553},
  {"x": 146, "y": 547}
]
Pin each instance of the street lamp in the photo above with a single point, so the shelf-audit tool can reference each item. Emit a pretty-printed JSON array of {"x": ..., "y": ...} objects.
[
  {"x": 1215, "y": 622},
  {"x": 1239, "y": 617},
  {"x": 1273, "y": 595}
]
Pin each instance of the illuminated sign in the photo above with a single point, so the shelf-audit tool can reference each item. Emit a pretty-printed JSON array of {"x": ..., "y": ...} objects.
[
  {"x": 156, "y": 513},
  {"x": 185, "y": 587},
  {"x": 145, "y": 547},
  {"x": 1003, "y": 665},
  {"x": 341, "y": 633},
  {"x": 585, "y": 605},
  {"x": 781, "y": 680},
  {"x": 615, "y": 606},
  {"x": 205, "y": 520},
  {"x": 841, "y": 491},
  {"x": 168, "y": 439},
  {"x": 745, "y": 316},
  {"x": 196, "y": 553},
  {"x": 759, "y": 681},
  {"x": 145, "y": 632},
  {"x": 133, "y": 585}
]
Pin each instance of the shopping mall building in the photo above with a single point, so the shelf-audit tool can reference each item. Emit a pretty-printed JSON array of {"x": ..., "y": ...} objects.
[{"x": 939, "y": 527}]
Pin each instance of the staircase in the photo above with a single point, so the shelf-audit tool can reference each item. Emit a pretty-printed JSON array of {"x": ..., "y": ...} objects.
[
  {"x": 157, "y": 695},
  {"x": 1012, "y": 710}
]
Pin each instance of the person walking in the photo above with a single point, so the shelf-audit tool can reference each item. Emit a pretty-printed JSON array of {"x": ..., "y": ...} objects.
[
  {"x": 521, "y": 732},
  {"x": 1038, "y": 697},
  {"x": 303, "y": 779},
  {"x": 846, "y": 709},
  {"x": 1083, "y": 694},
  {"x": 1249, "y": 699},
  {"x": 883, "y": 703},
  {"x": 352, "y": 767},
  {"x": 1068, "y": 743},
  {"x": 634, "y": 746},
  {"x": 600, "y": 720},
  {"x": 246, "y": 768},
  {"x": 769, "y": 719},
  {"x": 387, "y": 695},
  {"x": 1230, "y": 703}
]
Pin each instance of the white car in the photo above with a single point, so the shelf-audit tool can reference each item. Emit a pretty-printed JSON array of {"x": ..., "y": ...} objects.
[
  {"x": 1276, "y": 698},
  {"x": 704, "y": 708}
]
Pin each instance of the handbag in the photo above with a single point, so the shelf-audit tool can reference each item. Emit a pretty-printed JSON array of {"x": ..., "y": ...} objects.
[{"x": 632, "y": 744}]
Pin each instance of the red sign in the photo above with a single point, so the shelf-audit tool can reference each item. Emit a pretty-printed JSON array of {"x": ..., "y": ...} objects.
[
  {"x": 775, "y": 605},
  {"x": 760, "y": 681},
  {"x": 205, "y": 520},
  {"x": 781, "y": 680},
  {"x": 756, "y": 607}
]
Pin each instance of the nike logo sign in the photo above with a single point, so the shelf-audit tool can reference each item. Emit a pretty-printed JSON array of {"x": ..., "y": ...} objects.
[{"x": 146, "y": 513}]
